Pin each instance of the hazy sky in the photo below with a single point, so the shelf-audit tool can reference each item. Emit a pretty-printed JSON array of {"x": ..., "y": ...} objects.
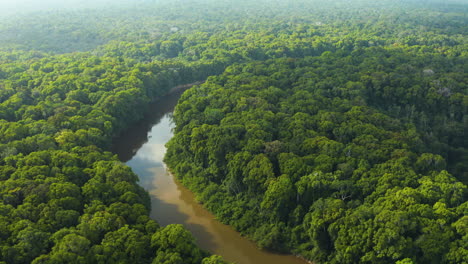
[
  {"x": 8, "y": 7},
  {"x": 23, "y": 6}
]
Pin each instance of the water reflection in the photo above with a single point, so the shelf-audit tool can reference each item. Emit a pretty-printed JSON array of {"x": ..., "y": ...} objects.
[{"x": 132, "y": 140}]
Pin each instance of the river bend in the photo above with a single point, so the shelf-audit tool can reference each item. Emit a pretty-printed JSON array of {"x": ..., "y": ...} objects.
[{"x": 142, "y": 147}]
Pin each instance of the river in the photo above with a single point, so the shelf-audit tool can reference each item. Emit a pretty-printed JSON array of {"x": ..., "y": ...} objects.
[{"x": 142, "y": 148}]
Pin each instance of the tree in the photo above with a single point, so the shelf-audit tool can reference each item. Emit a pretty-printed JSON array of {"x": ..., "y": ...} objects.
[
  {"x": 176, "y": 241},
  {"x": 125, "y": 245}
]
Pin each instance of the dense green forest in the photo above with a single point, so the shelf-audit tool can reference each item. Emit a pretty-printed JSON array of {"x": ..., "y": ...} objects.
[
  {"x": 333, "y": 130},
  {"x": 64, "y": 198}
]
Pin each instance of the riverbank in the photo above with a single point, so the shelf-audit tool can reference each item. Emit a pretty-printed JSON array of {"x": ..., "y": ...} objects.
[
  {"x": 288, "y": 258},
  {"x": 183, "y": 87}
]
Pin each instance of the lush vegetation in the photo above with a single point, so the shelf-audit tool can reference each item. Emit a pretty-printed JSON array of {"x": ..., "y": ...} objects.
[
  {"x": 340, "y": 156},
  {"x": 64, "y": 199},
  {"x": 339, "y": 136},
  {"x": 303, "y": 155}
]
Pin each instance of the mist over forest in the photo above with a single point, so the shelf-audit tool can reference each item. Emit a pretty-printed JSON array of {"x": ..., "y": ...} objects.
[{"x": 67, "y": 26}]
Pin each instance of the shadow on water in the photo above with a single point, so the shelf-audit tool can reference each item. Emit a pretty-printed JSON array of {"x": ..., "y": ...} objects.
[
  {"x": 131, "y": 140},
  {"x": 142, "y": 147}
]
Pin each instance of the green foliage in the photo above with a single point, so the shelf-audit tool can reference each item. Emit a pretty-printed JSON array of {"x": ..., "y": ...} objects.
[
  {"x": 58, "y": 115},
  {"x": 338, "y": 136},
  {"x": 173, "y": 242},
  {"x": 328, "y": 170}
]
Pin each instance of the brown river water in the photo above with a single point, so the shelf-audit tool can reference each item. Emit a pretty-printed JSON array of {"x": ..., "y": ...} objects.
[{"x": 142, "y": 148}]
